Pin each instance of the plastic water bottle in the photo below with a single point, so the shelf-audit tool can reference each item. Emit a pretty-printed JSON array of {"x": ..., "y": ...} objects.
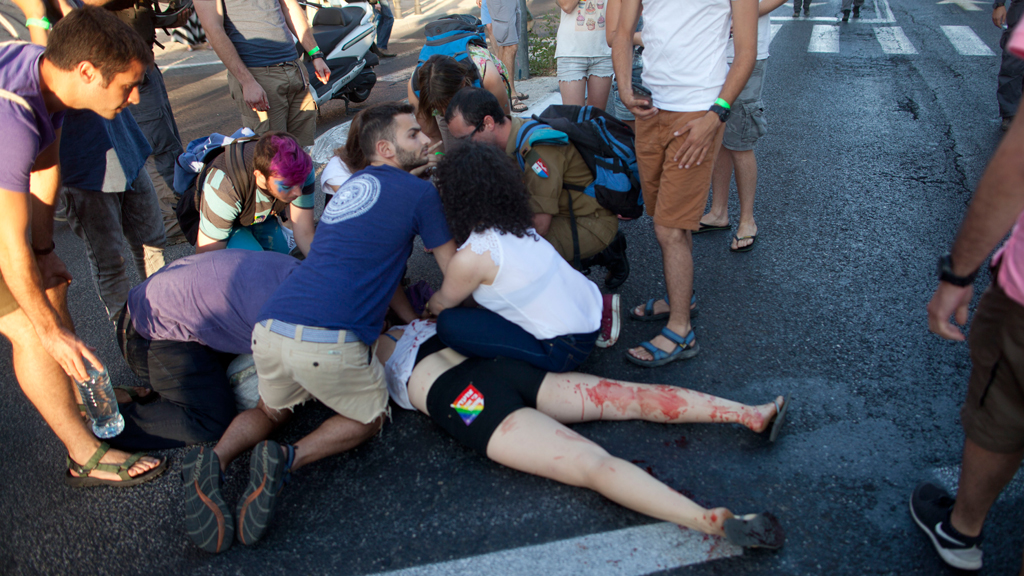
[{"x": 100, "y": 402}]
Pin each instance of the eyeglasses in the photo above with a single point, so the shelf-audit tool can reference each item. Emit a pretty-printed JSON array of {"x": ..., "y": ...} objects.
[{"x": 476, "y": 129}]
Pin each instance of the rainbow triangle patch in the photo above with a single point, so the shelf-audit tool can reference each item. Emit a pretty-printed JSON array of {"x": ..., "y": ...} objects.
[{"x": 469, "y": 404}]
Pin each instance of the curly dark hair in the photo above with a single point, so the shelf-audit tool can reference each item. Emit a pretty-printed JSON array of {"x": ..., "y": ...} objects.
[{"x": 481, "y": 188}]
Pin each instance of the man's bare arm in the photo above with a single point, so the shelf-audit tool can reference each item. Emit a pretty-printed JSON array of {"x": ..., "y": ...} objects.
[
  {"x": 296, "y": 19},
  {"x": 622, "y": 60},
  {"x": 211, "y": 17},
  {"x": 21, "y": 274},
  {"x": 997, "y": 203}
]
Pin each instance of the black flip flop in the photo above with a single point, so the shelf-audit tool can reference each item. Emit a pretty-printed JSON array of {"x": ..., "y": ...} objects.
[
  {"x": 748, "y": 247},
  {"x": 708, "y": 228},
  {"x": 755, "y": 531},
  {"x": 779, "y": 419}
]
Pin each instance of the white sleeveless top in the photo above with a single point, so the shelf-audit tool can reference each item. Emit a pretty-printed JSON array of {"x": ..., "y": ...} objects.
[{"x": 536, "y": 288}]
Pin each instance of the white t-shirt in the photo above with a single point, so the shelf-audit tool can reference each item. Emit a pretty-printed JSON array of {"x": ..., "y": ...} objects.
[
  {"x": 334, "y": 175},
  {"x": 581, "y": 33},
  {"x": 684, "y": 52},
  {"x": 535, "y": 288},
  {"x": 764, "y": 39},
  {"x": 399, "y": 366}
]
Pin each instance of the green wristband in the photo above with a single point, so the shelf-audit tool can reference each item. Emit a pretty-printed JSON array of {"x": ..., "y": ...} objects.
[
  {"x": 43, "y": 23},
  {"x": 722, "y": 103},
  {"x": 314, "y": 50}
]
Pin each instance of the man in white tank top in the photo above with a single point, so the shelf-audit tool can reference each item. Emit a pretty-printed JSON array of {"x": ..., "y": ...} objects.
[{"x": 679, "y": 130}]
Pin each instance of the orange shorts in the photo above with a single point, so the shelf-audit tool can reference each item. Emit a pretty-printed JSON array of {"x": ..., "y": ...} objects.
[{"x": 675, "y": 197}]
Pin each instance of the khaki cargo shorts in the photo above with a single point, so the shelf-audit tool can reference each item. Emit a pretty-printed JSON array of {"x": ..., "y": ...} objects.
[
  {"x": 344, "y": 375},
  {"x": 993, "y": 413}
]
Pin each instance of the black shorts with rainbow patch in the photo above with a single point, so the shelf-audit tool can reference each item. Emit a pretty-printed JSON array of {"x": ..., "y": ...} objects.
[{"x": 472, "y": 399}]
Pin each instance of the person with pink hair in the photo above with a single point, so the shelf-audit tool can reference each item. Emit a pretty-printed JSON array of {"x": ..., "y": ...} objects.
[{"x": 280, "y": 184}]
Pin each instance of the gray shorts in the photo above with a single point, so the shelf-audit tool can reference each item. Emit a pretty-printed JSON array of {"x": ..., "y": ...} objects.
[
  {"x": 746, "y": 121},
  {"x": 616, "y": 107},
  {"x": 504, "y": 21}
]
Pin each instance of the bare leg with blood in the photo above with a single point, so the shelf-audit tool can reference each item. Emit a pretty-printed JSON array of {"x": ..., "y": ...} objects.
[{"x": 538, "y": 442}]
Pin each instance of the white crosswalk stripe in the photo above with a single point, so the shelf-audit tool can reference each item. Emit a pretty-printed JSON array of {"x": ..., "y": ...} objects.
[
  {"x": 966, "y": 41},
  {"x": 627, "y": 552},
  {"x": 775, "y": 30},
  {"x": 894, "y": 41},
  {"x": 824, "y": 38}
]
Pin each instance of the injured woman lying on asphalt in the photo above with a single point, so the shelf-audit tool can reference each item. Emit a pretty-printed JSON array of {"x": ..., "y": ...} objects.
[{"x": 516, "y": 415}]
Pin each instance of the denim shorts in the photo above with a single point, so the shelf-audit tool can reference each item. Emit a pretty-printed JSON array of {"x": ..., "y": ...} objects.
[
  {"x": 746, "y": 121},
  {"x": 572, "y": 68}
]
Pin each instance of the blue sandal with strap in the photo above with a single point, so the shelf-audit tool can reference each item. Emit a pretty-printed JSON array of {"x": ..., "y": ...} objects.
[
  {"x": 686, "y": 348},
  {"x": 650, "y": 316}
]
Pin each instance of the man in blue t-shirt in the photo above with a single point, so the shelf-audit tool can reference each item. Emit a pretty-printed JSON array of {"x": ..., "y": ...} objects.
[
  {"x": 179, "y": 332},
  {"x": 313, "y": 337},
  {"x": 93, "y": 61}
]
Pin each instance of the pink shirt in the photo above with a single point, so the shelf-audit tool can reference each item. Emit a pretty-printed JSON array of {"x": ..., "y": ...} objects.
[{"x": 1011, "y": 259}]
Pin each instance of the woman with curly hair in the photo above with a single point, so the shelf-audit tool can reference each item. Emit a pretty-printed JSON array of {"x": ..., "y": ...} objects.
[
  {"x": 516, "y": 414},
  {"x": 534, "y": 306},
  {"x": 434, "y": 83}
]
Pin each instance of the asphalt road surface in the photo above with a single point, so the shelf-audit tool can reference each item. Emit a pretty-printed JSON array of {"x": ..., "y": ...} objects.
[{"x": 878, "y": 132}]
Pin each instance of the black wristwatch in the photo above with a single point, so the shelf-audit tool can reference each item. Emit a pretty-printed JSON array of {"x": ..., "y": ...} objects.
[
  {"x": 44, "y": 251},
  {"x": 722, "y": 111},
  {"x": 318, "y": 54},
  {"x": 946, "y": 273}
]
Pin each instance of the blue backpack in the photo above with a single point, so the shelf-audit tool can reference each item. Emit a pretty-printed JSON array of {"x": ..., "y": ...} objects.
[
  {"x": 607, "y": 146},
  {"x": 451, "y": 36}
]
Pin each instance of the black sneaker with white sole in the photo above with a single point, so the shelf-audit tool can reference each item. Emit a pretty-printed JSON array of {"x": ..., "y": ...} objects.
[{"x": 931, "y": 507}]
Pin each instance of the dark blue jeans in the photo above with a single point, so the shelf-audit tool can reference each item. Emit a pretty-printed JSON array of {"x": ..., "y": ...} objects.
[
  {"x": 385, "y": 20},
  {"x": 196, "y": 400},
  {"x": 484, "y": 334}
]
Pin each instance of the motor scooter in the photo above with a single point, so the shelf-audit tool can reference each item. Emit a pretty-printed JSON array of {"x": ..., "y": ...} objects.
[{"x": 345, "y": 35}]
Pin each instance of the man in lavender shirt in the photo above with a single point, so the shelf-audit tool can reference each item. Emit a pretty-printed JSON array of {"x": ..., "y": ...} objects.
[
  {"x": 993, "y": 412},
  {"x": 180, "y": 330},
  {"x": 93, "y": 61}
]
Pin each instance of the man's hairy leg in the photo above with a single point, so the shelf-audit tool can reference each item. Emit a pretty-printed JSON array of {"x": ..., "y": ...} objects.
[
  {"x": 49, "y": 389},
  {"x": 721, "y": 178},
  {"x": 745, "y": 163},
  {"x": 248, "y": 429},
  {"x": 337, "y": 434},
  {"x": 507, "y": 55},
  {"x": 983, "y": 475},
  {"x": 677, "y": 259}
]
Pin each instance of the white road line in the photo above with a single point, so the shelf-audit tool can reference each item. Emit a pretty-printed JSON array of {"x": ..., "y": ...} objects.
[
  {"x": 894, "y": 41},
  {"x": 627, "y": 552},
  {"x": 399, "y": 76},
  {"x": 540, "y": 105},
  {"x": 967, "y": 5},
  {"x": 824, "y": 39},
  {"x": 190, "y": 65},
  {"x": 775, "y": 30},
  {"x": 966, "y": 41}
]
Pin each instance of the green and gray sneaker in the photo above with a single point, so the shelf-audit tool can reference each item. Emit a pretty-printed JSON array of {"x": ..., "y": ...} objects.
[
  {"x": 208, "y": 519},
  {"x": 267, "y": 471}
]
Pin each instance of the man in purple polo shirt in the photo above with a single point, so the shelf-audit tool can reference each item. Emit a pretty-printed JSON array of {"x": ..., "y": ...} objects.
[
  {"x": 993, "y": 412},
  {"x": 92, "y": 61},
  {"x": 180, "y": 330}
]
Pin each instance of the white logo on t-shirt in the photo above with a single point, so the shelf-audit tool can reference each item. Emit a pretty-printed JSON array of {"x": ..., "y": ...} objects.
[{"x": 353, "y": 199}]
